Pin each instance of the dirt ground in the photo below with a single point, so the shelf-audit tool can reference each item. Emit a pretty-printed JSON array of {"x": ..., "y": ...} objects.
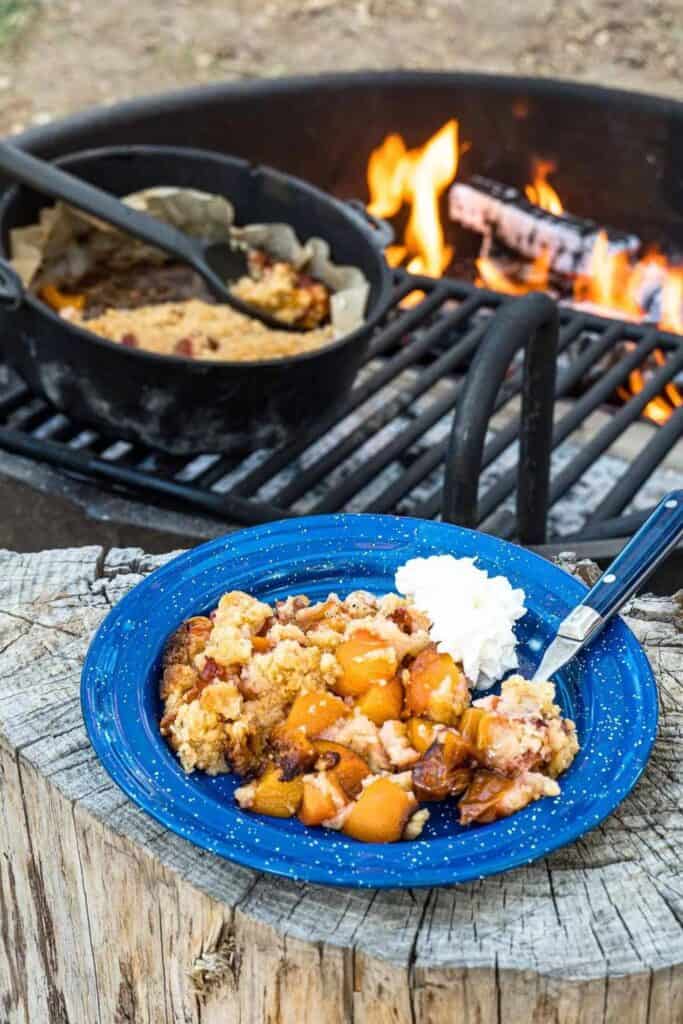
[{"x": 58, "y": 56}]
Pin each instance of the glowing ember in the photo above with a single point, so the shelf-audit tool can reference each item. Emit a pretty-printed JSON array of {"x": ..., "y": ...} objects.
[
  {"x": 658, "y": 409},
  {"x": 535, "y": 278},
  {"x": 672, "y": 392},
  {"x": 417, "y": 177},
  {"x": 672, "y": 302},
  {"x": 542, "y": 192}
]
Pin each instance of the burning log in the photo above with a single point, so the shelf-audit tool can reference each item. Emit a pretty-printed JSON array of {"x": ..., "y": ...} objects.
[{"x": 504, "y": 213}]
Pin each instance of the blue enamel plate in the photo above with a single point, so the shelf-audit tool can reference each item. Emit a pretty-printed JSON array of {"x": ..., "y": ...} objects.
[{"x": 609, "y": 691}]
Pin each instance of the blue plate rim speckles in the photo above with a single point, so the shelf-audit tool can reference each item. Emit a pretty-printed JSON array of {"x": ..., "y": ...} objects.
[{"x": 609, "y": 689}]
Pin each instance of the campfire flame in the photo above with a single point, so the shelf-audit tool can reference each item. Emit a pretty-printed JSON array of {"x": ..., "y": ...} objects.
[
  {"x": 493, "y": 277},
  {"x": 617, "y": 283},
  {"x": 658, "y": 409},
  {"x": 398, "y": 177},
  {"x": 672, "y": 302},
  {"x": 417, "y": 177},
  {"x": 542, "y": 192}
]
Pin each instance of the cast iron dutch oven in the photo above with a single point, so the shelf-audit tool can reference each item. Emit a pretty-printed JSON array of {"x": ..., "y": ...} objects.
[{"x": 174, "y": 403}]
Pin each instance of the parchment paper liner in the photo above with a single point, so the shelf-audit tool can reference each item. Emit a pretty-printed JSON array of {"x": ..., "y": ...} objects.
[{"x": 66, "y": 244}]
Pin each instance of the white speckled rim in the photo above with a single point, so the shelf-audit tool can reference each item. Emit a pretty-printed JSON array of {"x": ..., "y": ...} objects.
[{"x": 610, "y": 691}]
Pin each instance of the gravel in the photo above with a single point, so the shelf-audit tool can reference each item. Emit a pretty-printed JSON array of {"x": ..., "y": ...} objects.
[{"x": 61, "y": 56}]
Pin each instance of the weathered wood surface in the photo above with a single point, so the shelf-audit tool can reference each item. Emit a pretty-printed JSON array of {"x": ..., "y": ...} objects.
[{"x": 106, "y": 918}]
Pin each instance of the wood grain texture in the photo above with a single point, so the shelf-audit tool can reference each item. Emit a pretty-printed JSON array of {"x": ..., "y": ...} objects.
[{"x": 107, "y": 918}]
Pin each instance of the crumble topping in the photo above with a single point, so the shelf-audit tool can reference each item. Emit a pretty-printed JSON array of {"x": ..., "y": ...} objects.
[{"x": 345, "y": 713}]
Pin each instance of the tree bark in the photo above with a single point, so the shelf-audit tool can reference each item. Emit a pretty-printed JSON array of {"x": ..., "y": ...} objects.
[{"x": 107, "y": 918}]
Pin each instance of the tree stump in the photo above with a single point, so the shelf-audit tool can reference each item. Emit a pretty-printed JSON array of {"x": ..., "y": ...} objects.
[{"x": 107, "y": 918}]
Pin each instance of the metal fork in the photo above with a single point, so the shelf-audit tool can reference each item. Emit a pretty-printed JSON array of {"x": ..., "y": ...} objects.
[{"x": 658, "y": 535}]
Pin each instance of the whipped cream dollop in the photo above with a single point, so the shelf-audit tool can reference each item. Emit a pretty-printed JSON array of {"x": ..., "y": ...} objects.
[{"x": 472, "y": 614}]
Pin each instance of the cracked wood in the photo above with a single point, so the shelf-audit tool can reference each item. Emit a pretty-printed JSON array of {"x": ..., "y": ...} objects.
[{"x": 107, "y": 917}]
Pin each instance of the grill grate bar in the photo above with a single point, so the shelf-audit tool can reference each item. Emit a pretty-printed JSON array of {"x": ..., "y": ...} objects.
[
  {"x": 83, "y": 439},
  {"x": 608, "y": 529},
  {"x": 582, "y": 408},
  {"x": 56, "y": 426},
  {"x": 641, "y": 468},
  {"x": 613, "y": 429},
  {"x": 81, "y": 462},
  {"x": 222, "y": 465},
  {"x": 18, "y": 394},
  {"x": 432, "y": 458},
  {"x": 387, "y": 338},
  {"x": 387, "y": 445},
  {"x": 286, "y": 454},
  {"x": 336, "y": 497},
  {"x": 566, "y": 380},
  {"x": 29, "y": 416}
]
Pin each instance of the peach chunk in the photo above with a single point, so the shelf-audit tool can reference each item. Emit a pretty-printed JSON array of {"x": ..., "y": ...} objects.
[
  {"x": 491, "y": 796},
  {"x": 349, "y": 768},
  {"x": 484, "y": 800},
  {"x": 261, "y": 644},
  {"x": 382, "y": 701},
  {"x": 421, "y": 733},
  {"x": 292, "y": 750},
  {"x": 436, "y": 688},
  {"x": 469, "y": 724},
  {"x": 441, "y": 770},
  {"x": 365, "y": 659},
  {"x": 276, "y": 797},
  {"x": 314, "y": 712},
  {"x": 497, "y": 741},
  {"x": 323, "y": 798},
  {"x": 381, "y": 813}
]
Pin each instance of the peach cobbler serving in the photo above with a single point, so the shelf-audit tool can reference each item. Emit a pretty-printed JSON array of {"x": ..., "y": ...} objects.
[{"x": 351, "y": 714}]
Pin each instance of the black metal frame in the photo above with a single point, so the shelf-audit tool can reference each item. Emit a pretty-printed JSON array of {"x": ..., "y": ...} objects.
[
  {"x": 532, "y": 323},
  {"x": 422, "y": 353}
]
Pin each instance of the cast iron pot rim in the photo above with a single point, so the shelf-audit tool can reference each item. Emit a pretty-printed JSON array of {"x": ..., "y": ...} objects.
[{"x": 154, "y": 358}]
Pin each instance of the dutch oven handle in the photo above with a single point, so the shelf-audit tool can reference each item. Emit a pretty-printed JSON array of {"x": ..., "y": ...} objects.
[
  {"x": 382, "y": 233},
  {"x": 11, "y": 287}
]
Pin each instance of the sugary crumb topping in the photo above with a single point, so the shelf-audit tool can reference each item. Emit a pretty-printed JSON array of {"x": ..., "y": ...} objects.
[{"x": 344, "y": 712}]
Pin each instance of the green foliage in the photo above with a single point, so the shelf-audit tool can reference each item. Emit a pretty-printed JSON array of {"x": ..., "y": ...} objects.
[{"x": 13, "y": 16}]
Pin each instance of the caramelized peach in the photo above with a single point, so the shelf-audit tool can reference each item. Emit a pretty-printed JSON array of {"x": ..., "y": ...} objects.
[
  {"x": 438, "y": 773},
  {"x": 365, "y": 659},
  {"x": 436, "y": 687},
  {"x": 350, "y": 769},
  {"x": 486, "y": 798},
  {"x": 460, "y": 780},
  {"x": 261, "y": 644},
  {"x": 382, "y": 701},
  {"x": 380, "y": 814},
  {"x": 469, "y": 724},
  {"x": 323, "y": 798},
  {"x": 491, "y": 795},
  {"x": 421, "y": 733},
  {"x": 313, "y": 712},
  {"x": 275, "y": 796},
  {"x": 59, "y": 300},
  {"x": 488, "y": 734},
  {"x": 292, "y": 750}
]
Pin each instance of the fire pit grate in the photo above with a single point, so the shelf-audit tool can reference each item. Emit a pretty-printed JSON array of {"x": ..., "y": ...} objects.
[{"x": 385, "y": 447}]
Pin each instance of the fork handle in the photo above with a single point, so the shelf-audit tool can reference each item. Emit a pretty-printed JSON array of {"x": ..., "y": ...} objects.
[{"x": 658, "y": 535}]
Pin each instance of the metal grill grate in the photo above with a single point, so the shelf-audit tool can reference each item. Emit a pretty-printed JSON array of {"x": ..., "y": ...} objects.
[{"x": 384, "y": 449}]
